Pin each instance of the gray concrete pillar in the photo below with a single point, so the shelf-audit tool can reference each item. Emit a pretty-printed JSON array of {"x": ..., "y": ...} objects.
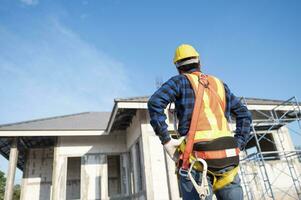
[
  {"x": 59, "y": 174},
  {"x": 12, "y": 165},
  {"x": 53, "y": 193}
]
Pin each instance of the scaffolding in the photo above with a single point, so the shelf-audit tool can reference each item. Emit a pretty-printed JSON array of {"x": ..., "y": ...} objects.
[{"x": 270, "y": 166}]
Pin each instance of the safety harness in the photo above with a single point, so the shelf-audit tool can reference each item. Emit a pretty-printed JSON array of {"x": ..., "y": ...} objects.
[{"x": 212, "y": 148}]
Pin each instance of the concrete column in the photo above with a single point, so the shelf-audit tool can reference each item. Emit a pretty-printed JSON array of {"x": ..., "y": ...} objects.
[
  {"x": 155, "y": 166},
  {"x": 59, "y": 175},
  {"x": 12, "y": 165},
  {"x": 125, "y": 174},
  {"x": 173, "y": 187},
  {"x": 92, "y": 175}
]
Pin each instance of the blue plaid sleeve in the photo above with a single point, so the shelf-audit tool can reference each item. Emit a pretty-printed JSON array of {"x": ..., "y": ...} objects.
[
  {"x": 243, "y": 118},
  {"x": 157, "y": 103}
]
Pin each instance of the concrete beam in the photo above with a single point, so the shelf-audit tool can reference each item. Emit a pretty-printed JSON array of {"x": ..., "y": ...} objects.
[{"x": 12, "y": 165}]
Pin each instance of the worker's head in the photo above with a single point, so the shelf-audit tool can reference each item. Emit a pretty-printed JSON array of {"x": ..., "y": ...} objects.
[{"x": 186, "y": 58}]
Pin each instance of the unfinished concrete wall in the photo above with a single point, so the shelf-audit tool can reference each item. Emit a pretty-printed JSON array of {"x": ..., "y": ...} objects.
[
  {"x": 137, "y": 174},
  {"x": 94, "y": 177},
  {"x": 279, "y": 176},
  {"x": 81, "y": 145},
  {"x": 37, "y": 175},
  {"x": 283, "y": 136},
  {"x": 125, "y": 174},
  {"x": 154, "y": 160},
  {"x": 173, "y": 186},
  {"x": 59, "y": 175},
  {"x": 278, "y": 169},
  {"x": 93, "y": 151}
]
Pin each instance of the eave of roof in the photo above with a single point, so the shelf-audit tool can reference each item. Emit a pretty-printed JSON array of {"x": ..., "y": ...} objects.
[
  {"x": 86, "y": 121},
  {"x": 249, "y": 100},
  {"x": 105, "y": 121}
]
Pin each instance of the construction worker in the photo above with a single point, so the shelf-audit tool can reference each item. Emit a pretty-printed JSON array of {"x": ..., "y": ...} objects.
[{"x": 203, "y": 105}]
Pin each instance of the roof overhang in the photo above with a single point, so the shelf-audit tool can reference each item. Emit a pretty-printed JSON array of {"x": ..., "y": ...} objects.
[
  {"x": 260, "y": 108},
  {"x": 119, "y": 109},
  {"x": 25, "y": 133}
]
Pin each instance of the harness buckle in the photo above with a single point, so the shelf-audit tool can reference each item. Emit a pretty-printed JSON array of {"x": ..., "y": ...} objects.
[
  {"x": 183, "y": 172},
  {"x": 202, "y": 79}
]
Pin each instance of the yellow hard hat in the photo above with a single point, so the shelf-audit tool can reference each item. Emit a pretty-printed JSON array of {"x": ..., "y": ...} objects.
[{"x": 184, "y": 51}]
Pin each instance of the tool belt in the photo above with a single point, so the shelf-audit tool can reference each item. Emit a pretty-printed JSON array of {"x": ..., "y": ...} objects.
[{"x": 219, "y": 154}]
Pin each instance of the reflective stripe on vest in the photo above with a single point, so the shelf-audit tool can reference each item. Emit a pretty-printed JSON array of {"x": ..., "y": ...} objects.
[{"x": 212, "y": 122}]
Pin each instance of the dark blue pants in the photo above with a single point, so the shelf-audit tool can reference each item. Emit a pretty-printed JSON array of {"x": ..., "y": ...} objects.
[{"x": 232, "y": 191}]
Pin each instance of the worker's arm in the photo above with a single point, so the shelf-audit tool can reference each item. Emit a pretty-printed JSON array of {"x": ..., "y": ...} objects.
[
  {"x": 158, "y": 102},
  {"x": 243, "y": 118}
]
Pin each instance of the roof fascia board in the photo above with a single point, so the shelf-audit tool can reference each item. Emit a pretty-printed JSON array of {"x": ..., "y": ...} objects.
[
  {"x": 132, "y": 105},
  {"x": 112, "y": 118},
  {"x": 125, "y": 105},
  {"x": 270, "y": 107},
  {"x": 51, "y": 133}
]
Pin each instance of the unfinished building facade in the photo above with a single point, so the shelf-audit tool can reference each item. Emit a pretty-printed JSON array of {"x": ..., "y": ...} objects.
[{"x": 101, "y": 155}]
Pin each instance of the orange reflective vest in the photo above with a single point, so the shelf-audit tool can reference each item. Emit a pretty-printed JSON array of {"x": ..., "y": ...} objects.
[{"x": 208, "y": 121}]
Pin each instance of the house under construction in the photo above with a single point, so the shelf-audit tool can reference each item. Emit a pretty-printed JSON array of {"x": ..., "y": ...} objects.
[{"x": 100, "y": 155}]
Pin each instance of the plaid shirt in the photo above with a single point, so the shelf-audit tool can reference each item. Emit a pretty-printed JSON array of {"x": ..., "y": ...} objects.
[{"x": 178, "y": 90}]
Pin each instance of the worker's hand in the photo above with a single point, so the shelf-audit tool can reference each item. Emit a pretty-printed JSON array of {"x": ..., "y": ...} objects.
[{"x": 171, "y": 148}]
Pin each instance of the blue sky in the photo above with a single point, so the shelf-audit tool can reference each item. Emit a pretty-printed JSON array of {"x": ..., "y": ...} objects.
[{"x": 62, "y": 57}]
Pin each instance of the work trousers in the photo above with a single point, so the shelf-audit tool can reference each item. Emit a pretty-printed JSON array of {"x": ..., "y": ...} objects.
[{"x": 233, "y": 191}]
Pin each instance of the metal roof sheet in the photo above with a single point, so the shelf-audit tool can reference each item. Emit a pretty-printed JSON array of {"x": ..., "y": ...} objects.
[{"x": 79, "y": 121}]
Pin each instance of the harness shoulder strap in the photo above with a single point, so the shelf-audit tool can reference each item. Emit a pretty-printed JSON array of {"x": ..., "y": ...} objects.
[{"x": 195, "y": 115}]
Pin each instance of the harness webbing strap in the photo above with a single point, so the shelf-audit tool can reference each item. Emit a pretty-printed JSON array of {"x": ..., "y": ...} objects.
[
  {"x": 217, "y": 154},
  {"x": 194, "y": 119}
]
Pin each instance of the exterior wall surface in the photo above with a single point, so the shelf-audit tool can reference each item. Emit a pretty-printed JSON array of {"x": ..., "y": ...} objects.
[
  {"x": 93, "y": 177},
  {"x": 279, "y": 176},
  {"x": 160, "y": 182},
  {"x": 93, "y": 151},
  {"x": 37, "y": 176},
  {"x": 134, "y": 142}
]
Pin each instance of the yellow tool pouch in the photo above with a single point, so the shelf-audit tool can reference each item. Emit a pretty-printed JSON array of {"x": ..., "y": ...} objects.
[{"x": 222, "y": 180}]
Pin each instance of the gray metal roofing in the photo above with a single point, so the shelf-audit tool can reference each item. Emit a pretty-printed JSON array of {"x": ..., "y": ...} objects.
[{"x": 79, "y": 121}]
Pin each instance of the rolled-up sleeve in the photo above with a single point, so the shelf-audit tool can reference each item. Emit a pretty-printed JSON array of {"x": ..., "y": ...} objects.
[
  {"x": 158, "y": 102},
  {"x": 243, "y": 118}
]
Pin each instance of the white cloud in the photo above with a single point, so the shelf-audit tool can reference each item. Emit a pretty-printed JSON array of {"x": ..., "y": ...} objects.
[
  {"x": 56, "y": 72},
  {"x": 30, "y": 2}
]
